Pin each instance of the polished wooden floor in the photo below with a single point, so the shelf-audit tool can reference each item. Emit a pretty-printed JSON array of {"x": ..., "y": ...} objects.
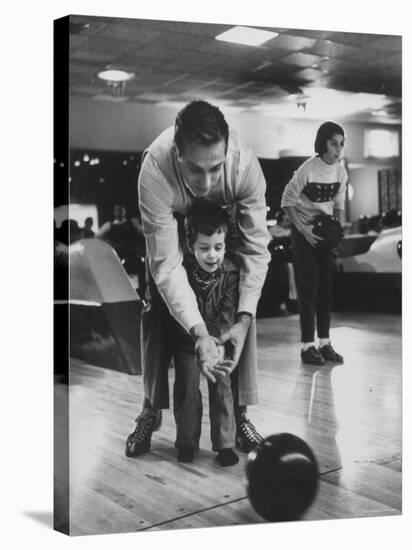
[{"x": 350, "y": 415}]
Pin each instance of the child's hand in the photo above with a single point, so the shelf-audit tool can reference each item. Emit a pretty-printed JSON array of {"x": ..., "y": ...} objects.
[{"x": 213, "y": 371}]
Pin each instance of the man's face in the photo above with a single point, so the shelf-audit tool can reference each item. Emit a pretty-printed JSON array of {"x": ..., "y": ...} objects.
[
  {"x": 202, "y": 166},
  {"x": 209, "y": 251}
]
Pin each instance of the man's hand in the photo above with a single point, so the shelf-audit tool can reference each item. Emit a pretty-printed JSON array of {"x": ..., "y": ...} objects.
[
  {"x": 306, "y": 231},
  {"x": 236, "y": 335}
]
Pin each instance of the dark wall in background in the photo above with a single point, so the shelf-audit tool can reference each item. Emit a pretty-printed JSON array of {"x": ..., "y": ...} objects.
[
  {"x": 105, "y": 178},
  {"x": 277, "y": 174}
]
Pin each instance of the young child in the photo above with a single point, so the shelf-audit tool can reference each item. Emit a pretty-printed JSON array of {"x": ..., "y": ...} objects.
[
  {"x": 215, "y": 281},
  {"x": 317, "y": 187}
]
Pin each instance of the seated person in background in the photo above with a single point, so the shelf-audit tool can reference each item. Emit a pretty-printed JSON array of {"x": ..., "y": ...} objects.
[
  {"x": 88, "y": 232},
  {"x": 215, "y": 282}
]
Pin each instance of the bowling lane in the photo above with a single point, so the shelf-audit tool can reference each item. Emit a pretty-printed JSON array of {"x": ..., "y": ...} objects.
[{"x": 350, "y": 415}]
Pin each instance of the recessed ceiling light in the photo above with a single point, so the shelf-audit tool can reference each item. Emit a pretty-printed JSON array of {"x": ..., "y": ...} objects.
[
  {"x": 246, "y": 36},
  {"x": 115, "y": 75}
]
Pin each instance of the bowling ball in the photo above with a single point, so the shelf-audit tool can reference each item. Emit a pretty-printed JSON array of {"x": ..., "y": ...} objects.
[
  {"x": 281, "y": 477},
  {"x": 329, "y": 229}
]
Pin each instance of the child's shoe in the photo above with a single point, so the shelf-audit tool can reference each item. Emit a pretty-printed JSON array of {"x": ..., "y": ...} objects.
[
  {"x": 227, "y": 457},
  {"x": 185, "y": 454}
]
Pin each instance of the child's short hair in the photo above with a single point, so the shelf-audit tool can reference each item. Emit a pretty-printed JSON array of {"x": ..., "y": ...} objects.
[
  {"x": 206, "y": 217},
  {"x": 325, "y": 132},
  {"x": 201, "y": 122}
]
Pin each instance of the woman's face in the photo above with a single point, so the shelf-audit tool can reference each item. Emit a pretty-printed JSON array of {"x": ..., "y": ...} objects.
[{"x": 334, "y": 148}]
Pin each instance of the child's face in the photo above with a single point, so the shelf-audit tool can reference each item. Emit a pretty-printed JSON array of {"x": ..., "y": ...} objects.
[
  {"x": 209, "y": 251},
  {"x": 334, "y": 148}
]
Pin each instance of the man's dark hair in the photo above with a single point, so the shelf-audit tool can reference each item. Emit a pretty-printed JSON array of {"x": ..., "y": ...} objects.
[
  {"x": 206, "y": 217},
  {"x": 325, "y": 132},
  {"x": 200, "y": 122}
]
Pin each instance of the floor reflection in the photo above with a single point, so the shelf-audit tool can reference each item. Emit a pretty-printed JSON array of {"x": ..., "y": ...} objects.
[{"x": 312, "y": 408}]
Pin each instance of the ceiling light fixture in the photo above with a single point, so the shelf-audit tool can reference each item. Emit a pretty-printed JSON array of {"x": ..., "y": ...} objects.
[
  {"x": 115, "y": 75},
  {"x": 246, "y": 36},
  {"x": 116, "y": 79}
]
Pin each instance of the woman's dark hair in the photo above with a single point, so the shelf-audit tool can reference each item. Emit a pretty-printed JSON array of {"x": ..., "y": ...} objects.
[
  {"x": 206, "y": 217},
  {"x": 325, "y": 132},
  {"x": 200, "y": 122}
]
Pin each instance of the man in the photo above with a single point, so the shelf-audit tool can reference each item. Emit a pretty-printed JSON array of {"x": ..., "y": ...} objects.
[{"x": 200, "y": 157}]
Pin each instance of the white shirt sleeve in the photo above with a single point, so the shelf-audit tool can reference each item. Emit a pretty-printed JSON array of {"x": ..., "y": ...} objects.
[
  {"x": 339, "y": 200},
  {"x": 254, "y": 235},
  {"x": 162, "y": 243}
]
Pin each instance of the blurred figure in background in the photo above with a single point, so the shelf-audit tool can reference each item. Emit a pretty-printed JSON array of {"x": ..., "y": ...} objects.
[
  {"x": 283, "y": 225},
  {"x": 120, "y": 233},
  {"x": 280, "y": 248},
  {"x": 125, "y": 235},
  {"x": 88, "y": 232}
]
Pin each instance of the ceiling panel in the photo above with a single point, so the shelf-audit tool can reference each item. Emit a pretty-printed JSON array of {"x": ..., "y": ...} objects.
[{"x": 182, "y": 60}]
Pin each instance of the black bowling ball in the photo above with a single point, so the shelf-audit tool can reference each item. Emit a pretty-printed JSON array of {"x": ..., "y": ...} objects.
[
  {"x": 329, "y": 229},
  {"x": 282, "y": 477}
]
